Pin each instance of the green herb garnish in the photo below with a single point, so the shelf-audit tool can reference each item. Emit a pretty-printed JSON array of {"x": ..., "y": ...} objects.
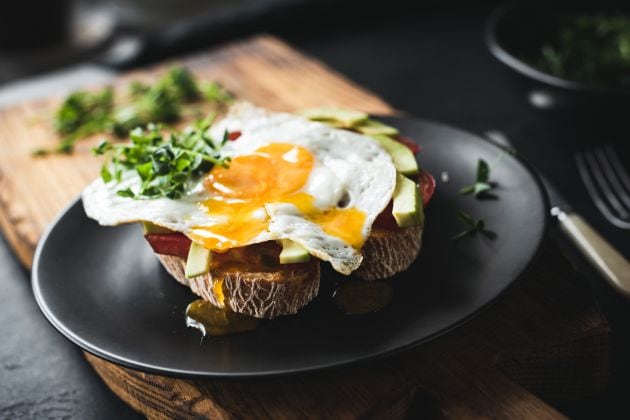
[
  {"x": 81, "y": 109},
  {"x": 165, "y": 163},
  {"x": 214, "y": 92},
  {"x": 482, "y": 182},
  {"x": 474, "y": 227},
  {"x": 81, "y": 114},
  {"x": 85, "y": 113},
  {"x": 181, "y": 83}
]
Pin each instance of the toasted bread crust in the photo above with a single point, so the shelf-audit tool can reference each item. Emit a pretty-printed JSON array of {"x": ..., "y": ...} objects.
[
  {"x": 258, "y": 294},
  {"x": 284, "y": 292},
  {"x": 388, "y": 252}
]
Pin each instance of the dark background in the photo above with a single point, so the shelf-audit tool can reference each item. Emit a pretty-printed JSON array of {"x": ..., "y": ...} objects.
[{"x": 428, "y": 60}]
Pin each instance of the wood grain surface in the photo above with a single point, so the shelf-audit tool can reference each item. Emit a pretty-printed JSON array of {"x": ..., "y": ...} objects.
[{"x": 543, "y": 343}]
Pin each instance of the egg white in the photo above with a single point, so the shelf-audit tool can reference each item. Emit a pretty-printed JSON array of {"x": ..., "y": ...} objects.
[{"x": 350, "y": 170}]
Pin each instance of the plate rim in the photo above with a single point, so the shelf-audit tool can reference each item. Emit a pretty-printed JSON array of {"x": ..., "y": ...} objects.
[{"x": 365, "y": 359}]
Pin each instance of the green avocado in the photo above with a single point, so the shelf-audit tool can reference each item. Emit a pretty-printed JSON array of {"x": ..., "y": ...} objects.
[
  {"x": 407, "y": 208},
  {"x": 148, "y": 227},
  {"x": 374, "y": 128},
  {"x": 337, "y": 117},
  {"x": 404, "y": 160},
  {"x": 292, "y": 252},
  {"x": 198, "y": 262}
]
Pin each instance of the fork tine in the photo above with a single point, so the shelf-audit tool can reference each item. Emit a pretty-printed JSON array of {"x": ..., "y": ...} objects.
[
  {"x": 619, "y": 169},
  {"x": 603, "y": 184},
  {"x": 590, "y": 185},
  {"x": 598, "y": 200},
  {"x": 612, "y": 177}
]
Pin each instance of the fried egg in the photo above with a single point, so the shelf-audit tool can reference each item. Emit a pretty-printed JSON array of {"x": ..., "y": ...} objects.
[{"x": 288, "y": 178}]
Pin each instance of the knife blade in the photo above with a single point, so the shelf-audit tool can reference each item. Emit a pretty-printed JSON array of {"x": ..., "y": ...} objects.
[{"x": 609, "y": 262}]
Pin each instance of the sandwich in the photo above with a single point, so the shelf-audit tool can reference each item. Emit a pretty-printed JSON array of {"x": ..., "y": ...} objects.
[{"x": 245, "y": 210}]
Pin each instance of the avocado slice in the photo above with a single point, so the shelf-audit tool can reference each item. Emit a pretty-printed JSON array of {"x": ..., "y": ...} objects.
[
  {"x": 407, "y": 208},
  {"x": 198, "y": 262},
  {"x": 374, "y": 128},
  {"x": 292, "y": 252},
  {"x": 148, "y": 227},
  {"x": 336, "y": 117},
  {"x": 404, "y": 160}
]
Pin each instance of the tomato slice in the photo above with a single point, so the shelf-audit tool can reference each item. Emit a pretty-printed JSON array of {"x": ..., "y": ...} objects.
[
  {"x": 411, "y": 145},
  {"x": 425, "y": 179},
  {"x": 233, "y": 135},
  {"x": 427, "y": 186},
  {"x": 169, "y": 243},
  {"x": 386, "y": 220}
]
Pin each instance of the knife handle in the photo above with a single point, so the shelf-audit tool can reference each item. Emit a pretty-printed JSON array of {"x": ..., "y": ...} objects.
[{"x": 601, "y": 254}]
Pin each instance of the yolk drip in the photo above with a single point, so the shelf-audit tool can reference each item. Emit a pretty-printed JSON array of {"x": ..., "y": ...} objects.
[
  {"x": 272, "y": 174},
  {"x": 345, "y": 224}
]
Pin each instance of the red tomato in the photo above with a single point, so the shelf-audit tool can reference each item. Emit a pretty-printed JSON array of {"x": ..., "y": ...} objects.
[
  {"x": 425, "y": 179},
  {"x": 427, "y": 186},
  {"x": 386, "y": 220},
  {"x": 169, "y": 243},
  {"x": 411, "y": 145},
  {"x": 234, "y": 135}
]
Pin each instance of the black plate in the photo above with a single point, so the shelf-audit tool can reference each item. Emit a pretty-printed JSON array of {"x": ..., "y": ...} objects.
[{"x": 104, "y": 289}]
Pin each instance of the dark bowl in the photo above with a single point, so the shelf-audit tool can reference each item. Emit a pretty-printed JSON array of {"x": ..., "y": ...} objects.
[{"x": 518, "y": 30}]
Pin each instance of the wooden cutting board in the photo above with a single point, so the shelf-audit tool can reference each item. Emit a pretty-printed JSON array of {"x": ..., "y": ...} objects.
[{"x": 543, "y": 343}]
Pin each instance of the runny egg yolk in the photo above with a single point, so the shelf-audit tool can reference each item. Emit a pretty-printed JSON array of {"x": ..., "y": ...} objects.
[{"x": 275, "y": 173}]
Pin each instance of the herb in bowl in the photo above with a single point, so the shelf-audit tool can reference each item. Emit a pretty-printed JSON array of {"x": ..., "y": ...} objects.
[{"x": 590, "y": 49}]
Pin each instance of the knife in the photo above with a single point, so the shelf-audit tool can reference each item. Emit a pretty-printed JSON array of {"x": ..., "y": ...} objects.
[{"x": 609, "y": 262}]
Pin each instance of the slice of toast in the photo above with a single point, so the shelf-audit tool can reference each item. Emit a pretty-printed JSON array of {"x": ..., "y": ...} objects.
[
  {"x": 245, "y": 283},
  {"x": 261, "y": 294},
  {"x": 387, "y": 252}
]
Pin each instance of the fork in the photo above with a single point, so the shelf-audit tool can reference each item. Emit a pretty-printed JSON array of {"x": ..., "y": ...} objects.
[
  {"x": 607, "y": 182},
  {"x": 610, "y": 263}
]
